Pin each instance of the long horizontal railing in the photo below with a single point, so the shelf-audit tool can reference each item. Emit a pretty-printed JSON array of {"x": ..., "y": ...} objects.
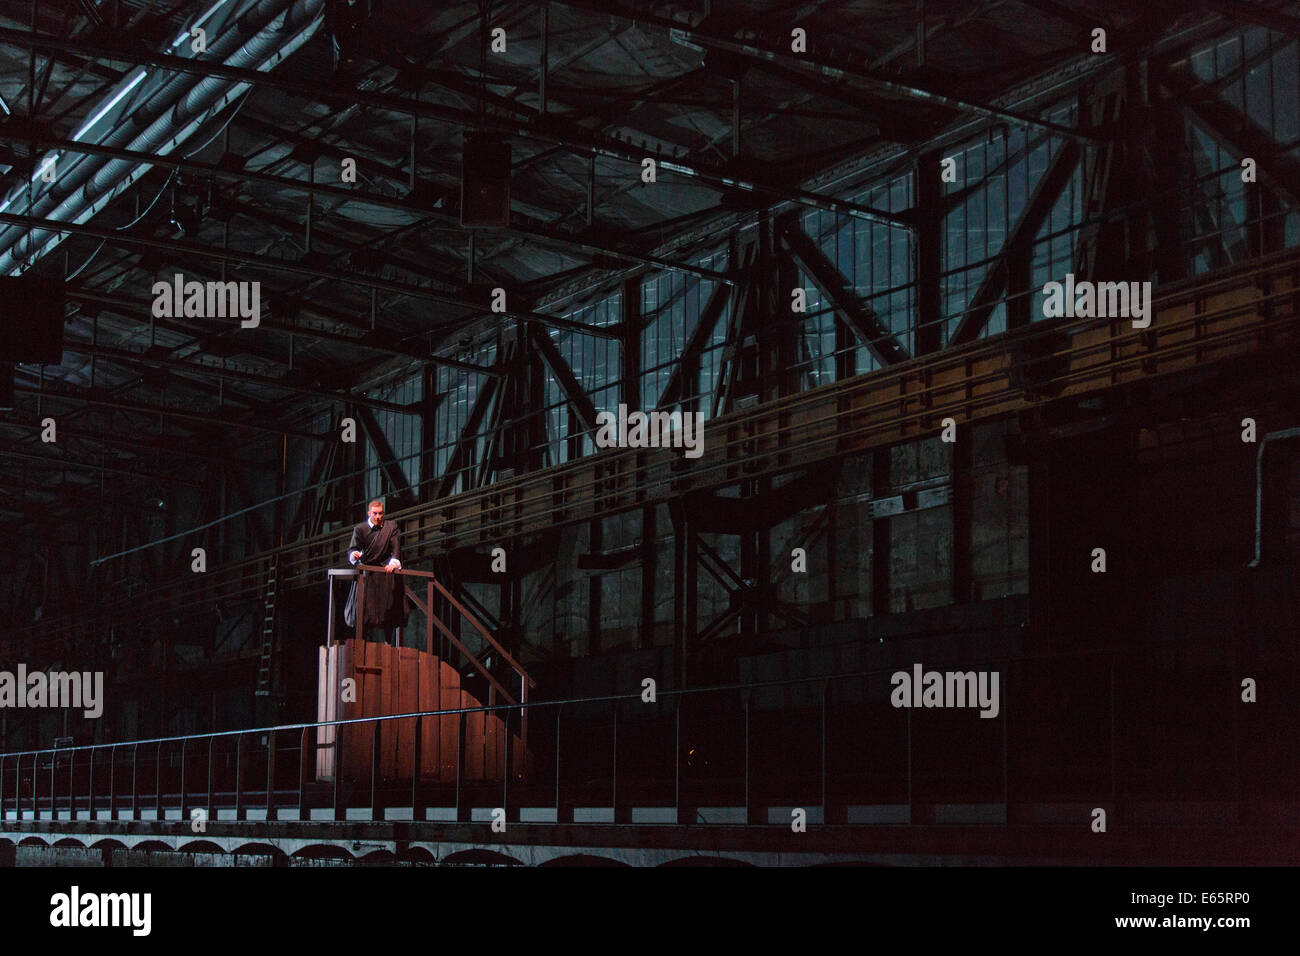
[
  {"x": 825, "y": 742},
  {"x": 1247, "y": 311}
]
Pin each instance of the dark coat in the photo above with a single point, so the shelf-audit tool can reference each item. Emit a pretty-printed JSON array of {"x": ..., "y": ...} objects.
[{"x": 384, "y": 604}]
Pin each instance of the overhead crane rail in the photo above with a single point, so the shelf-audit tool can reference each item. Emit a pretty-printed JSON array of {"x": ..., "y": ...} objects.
[{"x": 1249, "y": 311}]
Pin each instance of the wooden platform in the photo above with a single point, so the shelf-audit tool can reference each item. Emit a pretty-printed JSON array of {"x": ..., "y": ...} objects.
[{"x": 401, "y": 680}]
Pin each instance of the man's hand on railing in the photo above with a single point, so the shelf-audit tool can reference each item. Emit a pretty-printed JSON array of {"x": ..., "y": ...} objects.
[
  {"x": 393, "y": 563},
  {"x": 392, "y": 566}
]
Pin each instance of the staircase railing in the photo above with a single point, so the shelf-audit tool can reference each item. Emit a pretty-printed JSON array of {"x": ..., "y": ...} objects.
[{"x": 432, "y": 622}]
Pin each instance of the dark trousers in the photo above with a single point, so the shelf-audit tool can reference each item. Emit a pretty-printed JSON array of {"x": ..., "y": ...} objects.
[{"x": 378, "y": 634}]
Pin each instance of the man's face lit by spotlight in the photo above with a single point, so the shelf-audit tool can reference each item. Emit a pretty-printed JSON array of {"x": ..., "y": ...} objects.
[{"x": 376, "y": 513}]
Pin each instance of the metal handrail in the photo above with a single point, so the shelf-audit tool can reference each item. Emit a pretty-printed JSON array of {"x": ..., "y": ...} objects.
[
  {"x": 725, "y": 784},
  {"x": 460, "y": 645},
  {"x": 433, "y": 621},
  {"x": 1058, "y": 655},
  {"x": 474, "y": 622}
]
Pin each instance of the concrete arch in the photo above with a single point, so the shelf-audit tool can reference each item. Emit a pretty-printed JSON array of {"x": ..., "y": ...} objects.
[
  {"x": 107, "y": 845},
  {"x": 220, "y": 843},
  {"x": 127, "y": 841},
  {"x": 698, "y": 860},
  {"x": 323, "y": 851},
  {"x": 417, "y": 856},
  {"x": 480, "y": 856},
  {"x": 258, "y": 846},
  {"x": 200, "y": 846},
  {"x": 583, "y": 859},
  {"x": 152, "y": 846},
  {"x": 264, "y": 851},
  {"x": 33, "y": 841},
  {"x": 855, "y": 864}
]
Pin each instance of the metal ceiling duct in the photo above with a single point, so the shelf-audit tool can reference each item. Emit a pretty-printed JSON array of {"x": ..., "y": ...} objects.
[{"x": 152, "y": 110}]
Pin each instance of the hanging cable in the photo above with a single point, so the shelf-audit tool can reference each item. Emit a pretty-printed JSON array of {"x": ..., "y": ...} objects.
[
  {"x": 89, "y": 260},
  {"x": 162, "y": 189},
  {"x": 229, "y": 119}
]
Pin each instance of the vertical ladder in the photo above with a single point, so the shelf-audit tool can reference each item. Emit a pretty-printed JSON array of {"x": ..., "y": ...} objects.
[{"x": 268, "y": 631}]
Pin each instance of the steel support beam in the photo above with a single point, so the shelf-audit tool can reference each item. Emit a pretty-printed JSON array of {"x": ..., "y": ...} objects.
[
  {"x": 403, "y": 490},
  {"x": 881, "y": 539},
  {"x": 749, "y": 602},
  {"x": 1277, "y": 168},
  {"x": 30, "y": 425},
  {"x": 274, "y": 265},
  {"x": 463, "y": 451},
  {"x": 383, "y": 342},
  {"x": 838, "y": 71},
  {"x": 576, "y": 395},
  {"x": 730, "y": 358},
  {"x": 213, "y": 419},
  {"x": 832, "y": 284},
  {"x": 1018, "y": 244},
  {"x": 630, "y": 354},
  {"x": 928, "y": 252},
  {"x": 260, "y": 528},
  {"x": 889, "y": 124},
  {"x": 321, "y": 464},
  {"x": 686, "y": 587},
  {"x": 145, "y": 360},
  {"x": 649, "y": 555},
  {"x": 507, "y": 401},
  {"x": 1067, "y": 14},
  {"x": 961, "y": 469},
  {"x": 1038, "y": 515},
  {"x": 15, "y": 450},
  {"x": 432, "y": 401},
  {"x": 778, "y": 338},
  {"x": 720, "y": 514},
  {"x": 1100, "y": 110},
  {"x": 674, "y": 390},
  {"x": 1246, "y": 11},
  {"x": 571, "y": 136}
]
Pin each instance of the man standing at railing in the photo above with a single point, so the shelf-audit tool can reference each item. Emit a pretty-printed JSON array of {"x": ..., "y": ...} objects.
[{"x": 376, "y": 542}]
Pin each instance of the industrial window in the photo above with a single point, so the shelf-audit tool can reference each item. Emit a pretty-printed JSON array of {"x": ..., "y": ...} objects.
[
  {"x": 596, "y": 365},
  {"x": 876, "y": 261},
  {"x": 672, "y": 304},
  {"x": 462, "y": 391},
  {"x": 997, "y": 172},
  {"x": 402, "y": 432},
  {"x": 1256, "y": 74}
]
